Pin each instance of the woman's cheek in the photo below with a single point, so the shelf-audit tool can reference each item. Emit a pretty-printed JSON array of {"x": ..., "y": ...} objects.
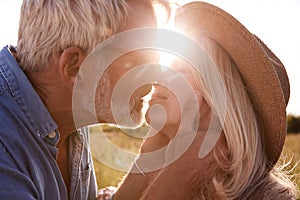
[{"x": 166, "y": 115}]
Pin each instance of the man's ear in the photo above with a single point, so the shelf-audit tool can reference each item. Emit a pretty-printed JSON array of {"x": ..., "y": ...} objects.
[{"x": 69, "y": 64}]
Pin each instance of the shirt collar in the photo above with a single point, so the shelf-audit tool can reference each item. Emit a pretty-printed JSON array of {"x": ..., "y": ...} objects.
[{"x": 25, "y": 95}]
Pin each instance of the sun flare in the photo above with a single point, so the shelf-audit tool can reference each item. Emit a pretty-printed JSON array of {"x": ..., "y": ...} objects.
[{"x": 165, "y": 20}]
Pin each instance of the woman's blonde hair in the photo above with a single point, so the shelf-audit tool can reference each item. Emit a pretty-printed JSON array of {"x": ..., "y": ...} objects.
[
  {"x": 246, "y": 174},
  {"x": 48, "y": 27}
]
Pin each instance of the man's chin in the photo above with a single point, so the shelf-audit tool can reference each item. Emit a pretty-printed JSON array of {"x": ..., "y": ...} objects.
[
  {"x": 105, "y": 118},
  {"x": 136, "y": 117},
  {"x": 137, "y": 112}
]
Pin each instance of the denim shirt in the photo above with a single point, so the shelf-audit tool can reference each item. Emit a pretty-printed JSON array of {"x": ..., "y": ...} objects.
[{"x": 28, "y": 135}]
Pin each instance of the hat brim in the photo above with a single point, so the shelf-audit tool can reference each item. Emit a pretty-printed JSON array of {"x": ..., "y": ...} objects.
[{"x": 254, "y": 64}]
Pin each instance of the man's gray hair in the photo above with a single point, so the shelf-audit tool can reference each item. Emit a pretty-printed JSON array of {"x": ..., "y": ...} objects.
[{"x": 47, "y": 27}]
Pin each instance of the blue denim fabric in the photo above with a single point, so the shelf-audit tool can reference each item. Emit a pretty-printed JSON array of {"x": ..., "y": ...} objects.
[
  {"x": 83, "y": 182},
  {"x": 28, "y": 168}
]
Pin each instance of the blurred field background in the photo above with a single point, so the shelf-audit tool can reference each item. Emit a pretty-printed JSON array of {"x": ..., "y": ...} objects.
[
  {"x": 291, "y": 152},
  {"x": 103, "y": 152},
  {"x": 105, "y": 155}
]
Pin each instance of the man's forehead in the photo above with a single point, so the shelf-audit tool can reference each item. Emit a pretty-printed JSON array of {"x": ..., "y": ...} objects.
[
  {"x": 140, "y": 14},
  {"x": 133, "y": 59}
]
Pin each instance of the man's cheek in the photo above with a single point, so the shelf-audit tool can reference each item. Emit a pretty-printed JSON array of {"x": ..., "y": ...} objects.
[{"x": 103, "y": 101}]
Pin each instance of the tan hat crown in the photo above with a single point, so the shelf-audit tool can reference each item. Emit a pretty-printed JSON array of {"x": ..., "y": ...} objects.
[{"x": 263, "y": 74}]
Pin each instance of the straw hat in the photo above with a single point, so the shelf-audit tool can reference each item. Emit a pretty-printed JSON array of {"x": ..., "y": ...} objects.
[{"x": 263, "y": 73}]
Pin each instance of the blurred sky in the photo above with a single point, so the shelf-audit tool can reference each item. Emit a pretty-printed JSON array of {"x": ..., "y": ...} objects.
[{"x": 276, "y": 22}]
